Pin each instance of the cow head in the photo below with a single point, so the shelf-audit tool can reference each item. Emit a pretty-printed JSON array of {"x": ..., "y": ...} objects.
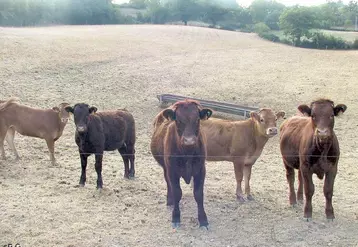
[
  {"x": 322, "y": 113},
  {"x": 187, "y": 115},
  {"x": 266, "y": 120},
  {"x": 81, "y": 113},
  {"x": 63, "y": 114}
]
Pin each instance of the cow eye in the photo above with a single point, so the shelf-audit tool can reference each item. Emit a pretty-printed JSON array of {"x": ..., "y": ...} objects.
[{"x": 262, "y": 120}]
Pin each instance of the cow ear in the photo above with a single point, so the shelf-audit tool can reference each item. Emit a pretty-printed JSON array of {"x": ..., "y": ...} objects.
[
  {"x": 92, "y": 109},
  {"x": 280, "y": 114},
  {"x": 169, "y": 114},
  {"x": 304, "y": 109},
  {"x": 205, "y": 114},
  {"x": 339, "y": 109},
  {"x": 255, "y": 116},
  {"x": 55, "y": 108},
  {"x": 69, "y": 109}
]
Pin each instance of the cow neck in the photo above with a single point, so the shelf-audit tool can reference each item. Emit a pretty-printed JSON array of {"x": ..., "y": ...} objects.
[{"x": 260, "y": 138}]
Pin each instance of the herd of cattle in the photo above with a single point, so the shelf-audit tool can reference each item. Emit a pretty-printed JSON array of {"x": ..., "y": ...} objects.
[{"x": 184, "y": 138}]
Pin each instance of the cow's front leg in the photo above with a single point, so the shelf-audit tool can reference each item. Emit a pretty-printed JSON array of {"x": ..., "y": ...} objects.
[
  {"x": 83, "y": 168},
  {"x": 247, "y": 177},
  {"x": 199, "y": 197},
  {"x": 98, "y": 166},
  {"x": 309, "y": 191},
  {"x": 177, "y": 194},
  {"x": 328, "y": 193},
  {"x": 238, "y": 167}
]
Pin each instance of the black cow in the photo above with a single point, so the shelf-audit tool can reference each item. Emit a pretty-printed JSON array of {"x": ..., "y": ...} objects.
[{"x": 97, "y": 132}]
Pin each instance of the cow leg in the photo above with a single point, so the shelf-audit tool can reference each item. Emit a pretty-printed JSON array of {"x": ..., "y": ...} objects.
[
  {"x": 177, "y": 194},
  {"x": 290, "y": 176},
  {"x": 83, "y": 167},
  {"x": 98, "y": 166},
  {"x": 2, "y": 137},
  {"x": 300, "y": 187},
  {"x": 10, "y": 136},
  {"x": 238, "y": 167},
  {"x": 169, "y": 188},
  {"x": 328, "y": 193},
  {"x": 199, "y": 197},
  {"x": 51, "y": 148},
  {"x": 247, "y": 176},
  {"x": 309, "y": 191},
  {"x": 131, "y": 153},
  {"x": 124, "y": 153}
]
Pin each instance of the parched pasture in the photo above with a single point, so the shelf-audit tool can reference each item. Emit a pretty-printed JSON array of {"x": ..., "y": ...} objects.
[{"x": 127, "y": 66}]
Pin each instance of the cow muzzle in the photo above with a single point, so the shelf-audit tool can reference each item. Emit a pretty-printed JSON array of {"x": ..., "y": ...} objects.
[
  {"x": 81, "y": 128},
  {"x": 64, "y": 120},
  {"x": 322, "y": 134},
  {"x": 189, "y": 140},
  {"x": 271, "y": 131}
]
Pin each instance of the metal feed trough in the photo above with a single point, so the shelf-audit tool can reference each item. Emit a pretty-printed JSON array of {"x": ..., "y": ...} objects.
[{"x": 214, "y": 105}]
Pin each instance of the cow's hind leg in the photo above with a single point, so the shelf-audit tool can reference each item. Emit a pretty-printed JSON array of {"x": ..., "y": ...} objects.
[
  {"x": 300, "y": 187},
  {"x": 3, "y": 131},
  {"x": 10, "y": 136},
  {"x": 124, "y": 153},
  {"x": 290, "y": 176},
  {"x": 131, "y": 154}
]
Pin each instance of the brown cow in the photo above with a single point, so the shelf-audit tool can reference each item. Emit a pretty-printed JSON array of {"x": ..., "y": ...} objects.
[
  {"x": 240, "y": 142},
  {"x": 308, "y": 143},
  {"x": 46, "y": 124},
  {"x": 178, "y": 146}
]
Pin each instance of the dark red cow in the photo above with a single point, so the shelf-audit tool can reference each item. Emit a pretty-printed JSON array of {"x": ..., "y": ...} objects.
[
  {"x": 308, "y": 143},
  {"x": 178, "y": 146}
]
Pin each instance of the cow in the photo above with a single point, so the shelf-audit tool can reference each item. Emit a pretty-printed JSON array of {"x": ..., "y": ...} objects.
[
  {"x": 241, "y": 142},
  {"x": 178, "y": 145},
  {"x": 97, "y": 132},
  {"x": 47, "y": 124},
  {"x": 308, "y": 143}
]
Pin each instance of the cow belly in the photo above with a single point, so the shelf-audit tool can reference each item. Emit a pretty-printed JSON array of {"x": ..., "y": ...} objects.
[
  {"x": 218, "y": 154},
  {"x": 111, "y": 146}
]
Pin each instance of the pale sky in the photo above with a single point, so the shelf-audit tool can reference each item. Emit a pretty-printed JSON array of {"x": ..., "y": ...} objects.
[{"x": 246, "y": 3}]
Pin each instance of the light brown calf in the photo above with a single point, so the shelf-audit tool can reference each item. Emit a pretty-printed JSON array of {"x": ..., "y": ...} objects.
[
  {"x": 47, "y": 124},
  {"x": 240, "y": 142}
]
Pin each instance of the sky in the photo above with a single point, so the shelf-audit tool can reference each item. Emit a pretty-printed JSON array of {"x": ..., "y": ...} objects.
[{"x": 246, "y": 3}]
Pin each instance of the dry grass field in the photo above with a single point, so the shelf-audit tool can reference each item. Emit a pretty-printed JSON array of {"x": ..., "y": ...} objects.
[{"x": 127, "y": 66}]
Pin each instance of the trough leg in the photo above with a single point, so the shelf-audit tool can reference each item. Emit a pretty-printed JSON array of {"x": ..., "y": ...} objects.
[
  {"x": 247, "y": 177},
  {"x": 328, "y": 193},
  {"x": 98, "y": 166},
  {"x": 10, "y": 136},
  {"x": 199, "y": 197},
  {"x": 309, "y": 191},
  {"x": 238, "y": 167},
  {"x": 83, "y": 168}
]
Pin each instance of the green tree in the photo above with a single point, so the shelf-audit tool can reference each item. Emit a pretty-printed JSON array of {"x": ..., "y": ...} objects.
[
  {"x": 296, "y": 22},
  {"x": 214, "y": 13},
  {"x": 185, "y": 10},
  {"x": 260, "y": 9}
]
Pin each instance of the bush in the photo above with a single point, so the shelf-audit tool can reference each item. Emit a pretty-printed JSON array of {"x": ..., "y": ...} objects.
[
  {"x": 269, "y": 36},
  {"x": 261, "y": 28},
  {"x": 355, "y": 44},
  {"x": 323, "y": 41}
]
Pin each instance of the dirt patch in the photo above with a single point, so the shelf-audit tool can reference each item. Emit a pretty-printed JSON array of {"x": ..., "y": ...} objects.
[{"x": 127, "y": 66}]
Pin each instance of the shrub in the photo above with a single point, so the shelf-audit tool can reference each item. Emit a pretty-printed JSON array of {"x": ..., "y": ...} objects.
[
  {"x": 355, "y": 44},
  {"x": 261, "y": 28},
  {"x": 323, "y": 41},
  {"x": 269, "y": 36}
]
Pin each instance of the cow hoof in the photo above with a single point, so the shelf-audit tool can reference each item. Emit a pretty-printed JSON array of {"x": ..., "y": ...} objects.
[
  {"x": 240, "y": 199},
  {"x": 175, "y": 225},
  {"x": 81, "y": 185},
  {"x": 250, "y": 198},
  {"x": 205, "y": 228},
  {"x": 294, "y": 205},
  {"x": 330, "y": 219},
  {"x": 308, "y": 219}
]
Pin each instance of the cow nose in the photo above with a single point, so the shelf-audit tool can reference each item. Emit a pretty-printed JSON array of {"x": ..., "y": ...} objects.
[
  {"x": 272, "y": 131},
  {"x": 322, "y": 132},
  {"x": 189, "y": 141},
  {"x": 81, "y": 128}
]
